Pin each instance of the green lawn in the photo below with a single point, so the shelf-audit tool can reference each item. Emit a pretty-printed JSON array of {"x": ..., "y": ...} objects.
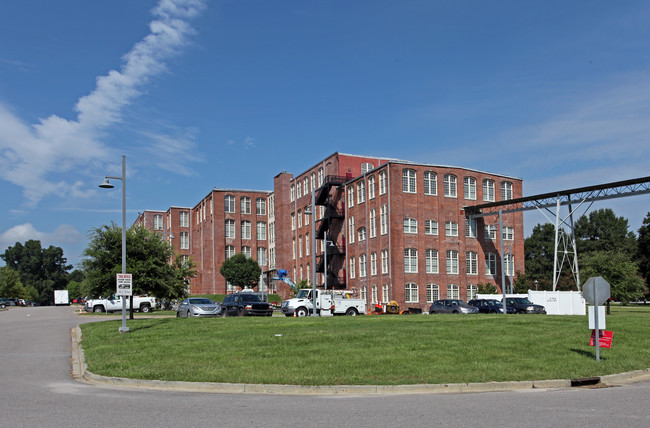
[{"x": 375, "y": 350}]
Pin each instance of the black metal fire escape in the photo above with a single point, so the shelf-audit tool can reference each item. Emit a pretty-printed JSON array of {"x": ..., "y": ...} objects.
[{"x": 332, "y": 225}]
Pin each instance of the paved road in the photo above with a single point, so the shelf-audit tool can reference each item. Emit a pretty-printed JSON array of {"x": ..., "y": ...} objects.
[{"x": 38, "y": 390}]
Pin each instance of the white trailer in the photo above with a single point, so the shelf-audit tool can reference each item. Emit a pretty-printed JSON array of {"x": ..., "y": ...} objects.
[{"x": 61, "y": 297}]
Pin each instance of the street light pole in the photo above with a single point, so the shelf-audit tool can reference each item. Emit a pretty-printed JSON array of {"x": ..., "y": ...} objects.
[
  {"x": 314, "y": 313},
  {"x": 107, "y": 185}
]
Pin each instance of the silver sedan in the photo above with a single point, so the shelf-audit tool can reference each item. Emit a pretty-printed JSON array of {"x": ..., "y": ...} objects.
[{"x": 198, "y": 307}]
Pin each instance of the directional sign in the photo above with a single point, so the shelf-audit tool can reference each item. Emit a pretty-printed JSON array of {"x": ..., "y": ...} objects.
[
  {"x": 124, "y": 284},
  {"x": 596, "y": 290}
]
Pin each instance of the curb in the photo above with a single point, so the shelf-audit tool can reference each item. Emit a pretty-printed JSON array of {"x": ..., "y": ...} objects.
[{"x": 80, "y": 373}]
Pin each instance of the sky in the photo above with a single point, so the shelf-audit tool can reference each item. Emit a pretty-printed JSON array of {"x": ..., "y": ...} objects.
[{"x": 199, "y": 94}]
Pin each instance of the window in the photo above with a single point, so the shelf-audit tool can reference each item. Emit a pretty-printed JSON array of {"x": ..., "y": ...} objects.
[
  {"x": 293, "y": 221},
  {"x": 453, "y": 291},
  {"x": 272, "y": 258},
  {"x": 184, "y": 218},
  {"x": 362, "y": 234},
  {"x": 307, "y": 215},
  {"x": 305, "y": 186},
  {"x": 383, "y": 219},
  {"x": 410, "y": 225},
  {"x": 361, "y": 192},
  {"x": 321, "y": 177},
  {"x": 293, "y": 196},
  {"x": 410, "y": 260},
  {"x": 261, "y": 256},
  {"x": 185, "y": 241},
  {"x": 365, "y": 167},
  {"x": 488, "y": 190},
  {"x": 374, "y": 295},
  {"x": 157, "y": 222},
  {"x": 384, "y": 293},
  {"x": 351, "y": 229},
  {"x": 384, "y": 261},
  {"x": 313, "y": 181},
  {"x": 371, "y": 187},
  {"x": 363, "y": 293},
  {"x": 261, "y": 231},
  {"x": 433, "y": 293},
  {"x": 229, "y": 204},
  {"x": 230, "y": 229},
  {"x": 430, "y": 227},
  {"x": 246, "y": 251},
  {"x": 293, "y": 250},
  {"x": 300, "y": 246},
  {"x": 245, "y": 205},
  {"x": 298, "y": 190},
  {"x": 506, "y": 190},
  {"x": 373, "y": 264},
  {"x": 408, "y": 181},
  {"x": 352, "y": 268},
  {"x": 432, "y": 261},
  {"x": 245, "y": 229},
  {"x": 508, "y": 233},
  {"x": 472, "y": 291},
  {"x": 230, "y": 251},
  {"x": 450, "y": 185},
  {"x": 452, "y": 262},
  {"x": 272, "y": 206},
  {"x": 451, "y": 228},
  {"x": 350, "y": 197},
  {"x": 471, "y": 262},
  {"x": 382, "y": 182},
  {"x": 490, "y": 231},
  {"x": 362, "y": 266},
  {"x": 470, "y": 227},
  {"x": 509, "y": 265},
  {"x": 272, "y": 232},
  {"x": 469, "y": 184},
  {"x": 491, "y": 264},
  {"x": 430, "y": 183},
  {"x": 299, "y": 215},
  {"x": 373, "y": 223},
  {"x": 260, "y": 206},
  {"x": 307, "y": 246},
  {"x": 411, "y": 293}
]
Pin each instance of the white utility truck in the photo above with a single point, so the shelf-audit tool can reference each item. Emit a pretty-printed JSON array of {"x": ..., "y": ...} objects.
[
  {"x": 114, "y": 304},
  {"x": 328, "y": 302}
]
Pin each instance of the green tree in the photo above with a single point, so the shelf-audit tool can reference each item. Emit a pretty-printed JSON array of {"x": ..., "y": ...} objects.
[
  {"x": 643, "y": 250},
  {"x": 486, "y": 288},
  {"x": 618, "y": 270},
  {"x": 539, "y": 253},
  {"x": 241, "y": 271},
  {"x": 147, "y": 259},
  {"x": 10, "y": 285},
  {"x": 603, "y": 231}
]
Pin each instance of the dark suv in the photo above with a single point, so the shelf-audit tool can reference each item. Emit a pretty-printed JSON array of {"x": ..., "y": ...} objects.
[
  {"x": 243, "y": 304},
  {"x": 524, "y": 306}
]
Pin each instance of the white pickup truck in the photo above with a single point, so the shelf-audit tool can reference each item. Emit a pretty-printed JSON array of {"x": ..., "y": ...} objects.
[
  {"x": 114, "y": 304},
  {"x": 329, "y": 302}
]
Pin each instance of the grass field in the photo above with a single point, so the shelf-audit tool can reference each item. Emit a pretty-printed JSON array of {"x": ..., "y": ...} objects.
[{"x": 372, "y": 350}]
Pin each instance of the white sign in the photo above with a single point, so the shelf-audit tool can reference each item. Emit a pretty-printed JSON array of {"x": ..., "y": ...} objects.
[
  {"x": 124, "y": 284},
  {"x": 601, "y": 318}
]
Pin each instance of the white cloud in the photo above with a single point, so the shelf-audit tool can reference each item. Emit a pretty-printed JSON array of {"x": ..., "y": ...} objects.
[
  {"x": 31, "y": 156},
  {"x": 64, "y": 234}
]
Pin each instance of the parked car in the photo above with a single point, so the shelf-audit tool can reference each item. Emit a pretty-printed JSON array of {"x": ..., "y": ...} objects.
[
  {"x": 524, "y": 306},
  {"x": 244, "y": 304},
  {"x": 198, "y": 307},
  {"x": 452, "y": 306},
  {"x": 491, "y": 306}
]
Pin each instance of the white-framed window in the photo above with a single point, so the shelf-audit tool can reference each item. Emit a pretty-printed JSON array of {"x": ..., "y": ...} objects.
[
  {"x": 385, "y": 293},
  {"x": 373, "y": 223},
  {"x": 185, "y": 240},
  {"x": 508, "y": 233},
  {"x": 350, "y": 196},
  {"x": 229, "y": 204},
  {"x": 261, "y": 256},
  {"x": 321, "y": 177},
  {"x": 271, "y": 202},
  {"x": 384, "y": 261},
  {"x": 450, "y": 186},
  {"x": 432, "y": 261},
  {"x": 506, "y": 190},
  {"x": 157, "y": 222},
  {"x": 410, "y": 260},
  {"x": 433, "y": 293},
  {"x": 383, "y": 219},
  {"x": 453, "y": 291},
  {"x": 351, "y": 230},
  {"x": 472, "y": 291},
  {"x": 299, "y": 216},
  {"x": 411, "y": 293},
  {"x": 374, "y": 296},
  {"x": 293, "y": 251},
  {"x": 430, "y": 183},
  {"x": 470, "y": 227},
  {"x": 352, "y": 268},
  {"x": 313, "y": 181},
  {"x": 490, "y": 231},
  {"x": 409, "y": 181},
  {"x": 363, "y": 272},
  {"x": 366, "y": 167},
  {"x": 373, "y": 263},
  {"x": 260, "y": 206},
  {"x": 430, "y": 227},
  {"x": 382, "y": 182},
  {"x": 452, "y": 262},
  {"x": 362, "y": 233},
  {"x": 488, "y": 190},
  {"x": 298, "y": 189},
  {"x": 469, "y": 185},
  {"x": 245, "y": 204},
  {"x": 292, "y": 195},
  {"x": 245, "y": 229},
  {"x": 272, "y": 232},
  {"x": 300, "y": 246},
  {"x": 410, "y": 225},
  {"x": 184, "y": 218},
  {"x": 293, "y": 221},
  {"x": 305, "y": 186},
  {"x": 307, "y": 215},
  {"x": 246, "y": 251},
  {"x": 361, "y": 192},
  {"x": 230, "y": 229},
  {"x": 307, "y": 244},
  {"x": 471, "y": 263},
  {"x": 230, "y": 251},
  {"x": 491, "y": 264},
  {"x": 363, "y": 293},
  {"x": 371, "y": 187},
  {"x": 451, "y": 228},
  {"x": 272, "y": 258},
  {"x": 509, "y": 264}
]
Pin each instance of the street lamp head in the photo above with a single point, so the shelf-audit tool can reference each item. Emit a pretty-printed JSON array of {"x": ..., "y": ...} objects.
[{"x": 106, "y": 184}]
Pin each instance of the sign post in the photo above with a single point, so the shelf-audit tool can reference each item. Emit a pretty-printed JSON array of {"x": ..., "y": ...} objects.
[
  {"x": 596, "y": 291},
  {"x": 124, "y": 289}
]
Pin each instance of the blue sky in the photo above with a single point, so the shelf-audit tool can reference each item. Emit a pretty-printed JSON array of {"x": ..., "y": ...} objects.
[{"x": 202, "y": 94}]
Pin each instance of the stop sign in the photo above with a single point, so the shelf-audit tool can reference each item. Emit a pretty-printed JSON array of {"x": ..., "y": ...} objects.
[{"x": 596, "y": 290}]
